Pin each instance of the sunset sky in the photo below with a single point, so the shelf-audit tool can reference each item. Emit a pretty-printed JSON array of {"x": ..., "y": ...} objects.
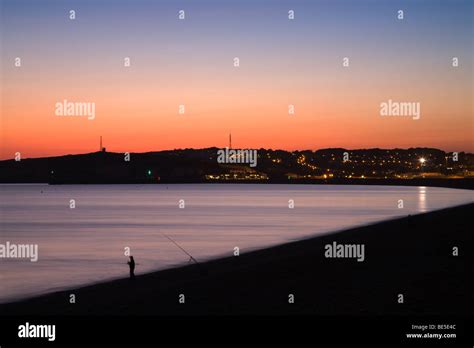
[{"x": 190, "y": 62}]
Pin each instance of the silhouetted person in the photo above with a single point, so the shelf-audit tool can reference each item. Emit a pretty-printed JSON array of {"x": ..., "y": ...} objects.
[{"x": 131, "y": 264}]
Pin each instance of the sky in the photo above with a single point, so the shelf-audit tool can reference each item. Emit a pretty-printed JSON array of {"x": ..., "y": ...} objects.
[{"x": 190, "y": 62}]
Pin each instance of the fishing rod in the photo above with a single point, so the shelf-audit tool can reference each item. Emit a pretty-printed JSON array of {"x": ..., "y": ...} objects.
[{"x": 190, "y": 256}]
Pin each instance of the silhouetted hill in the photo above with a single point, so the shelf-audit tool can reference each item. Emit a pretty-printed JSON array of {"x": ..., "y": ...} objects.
[{"x": 201, "y": 165}]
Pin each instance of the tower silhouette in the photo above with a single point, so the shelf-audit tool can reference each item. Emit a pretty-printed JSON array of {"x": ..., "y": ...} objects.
[{"x": 101, "y": 148}]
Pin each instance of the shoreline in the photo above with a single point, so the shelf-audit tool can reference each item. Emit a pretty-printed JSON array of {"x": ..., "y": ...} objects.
[{"x": 411, "y": 255}]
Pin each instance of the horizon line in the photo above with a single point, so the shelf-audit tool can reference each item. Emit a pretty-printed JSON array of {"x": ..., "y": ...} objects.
[{"x": 267, "y": 149}]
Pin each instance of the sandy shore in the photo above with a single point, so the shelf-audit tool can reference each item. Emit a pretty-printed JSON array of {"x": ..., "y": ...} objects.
[{"x": 410, "y": 256}]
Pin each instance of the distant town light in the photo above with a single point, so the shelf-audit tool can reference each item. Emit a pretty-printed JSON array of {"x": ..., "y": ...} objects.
[{"x": 422, "y": 160}]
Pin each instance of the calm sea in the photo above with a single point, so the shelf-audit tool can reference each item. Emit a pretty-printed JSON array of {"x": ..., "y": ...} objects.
[{"x": 86, "y": 244}]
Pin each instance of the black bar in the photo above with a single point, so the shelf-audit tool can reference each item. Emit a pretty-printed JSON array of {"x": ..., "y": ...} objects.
[{"x": 137, "y": 330}]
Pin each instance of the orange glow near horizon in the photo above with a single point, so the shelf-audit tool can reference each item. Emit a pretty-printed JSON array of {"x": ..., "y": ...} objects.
[{"x": 145, "y": 118}]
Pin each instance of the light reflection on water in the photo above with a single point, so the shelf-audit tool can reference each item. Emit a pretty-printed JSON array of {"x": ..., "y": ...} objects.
[{"x": 422, "y": 199}]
